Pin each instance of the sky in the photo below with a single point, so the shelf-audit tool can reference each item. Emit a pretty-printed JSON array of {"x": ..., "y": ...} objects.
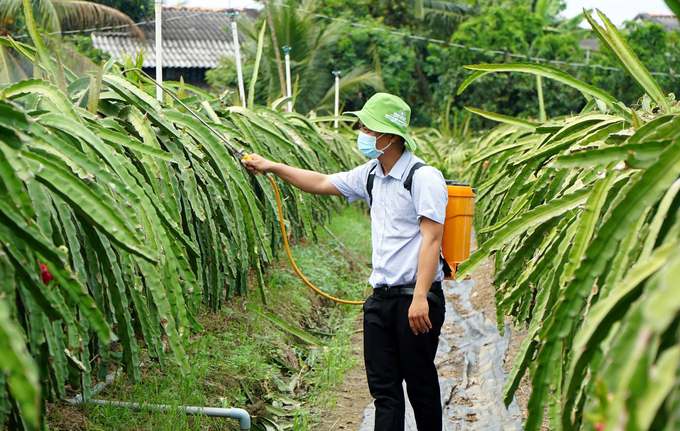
[{"x": 617, "y": 10}]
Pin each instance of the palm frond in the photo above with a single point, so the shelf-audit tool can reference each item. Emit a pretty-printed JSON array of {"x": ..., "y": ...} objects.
[
  {"x": 444, "y": 17},
  {"x": 76, "y": 15},
  {"x": 447, "y": 7},
  {"x": 44, "y": 13}
]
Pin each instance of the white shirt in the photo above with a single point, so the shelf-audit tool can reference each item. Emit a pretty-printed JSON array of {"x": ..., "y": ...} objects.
[{"x": 395, "y": 214}]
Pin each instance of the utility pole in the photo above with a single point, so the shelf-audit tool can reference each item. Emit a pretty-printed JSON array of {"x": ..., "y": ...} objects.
[
  {"x": 282, "y": 80},
  {"x": 337, "y": 96},
  {"x": 286, "y": 50},
  {"x": 237, "y": 58},
  {"x": 159, "y": 49}
]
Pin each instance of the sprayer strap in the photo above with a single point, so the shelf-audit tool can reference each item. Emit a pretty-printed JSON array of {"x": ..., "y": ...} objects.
[
  {"x": 409, "y": 178},
  {"x": 446, "y": 268},
  {"x": 408, "y": 182},
  {"x": 369, "y": 185}
]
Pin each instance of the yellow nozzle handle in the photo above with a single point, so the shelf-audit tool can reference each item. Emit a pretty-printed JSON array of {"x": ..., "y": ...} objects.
[{"x": 247, "y": 157}]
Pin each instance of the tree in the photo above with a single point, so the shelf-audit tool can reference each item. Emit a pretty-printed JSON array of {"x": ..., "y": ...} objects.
[
  {"x": 313, "y": 43},
  {"x": 518, "y": 30},
  {"x": 55, "y": 16},
  {"x": 137, "y": 10}
]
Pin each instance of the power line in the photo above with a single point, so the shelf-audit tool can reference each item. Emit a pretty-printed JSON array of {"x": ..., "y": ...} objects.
[
  {"x": 114, "y": 27},
  {"x": 470, "y": 48},
  {"x": 394, "y": 32}
]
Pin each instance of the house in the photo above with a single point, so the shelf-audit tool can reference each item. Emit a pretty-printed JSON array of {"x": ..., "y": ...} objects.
[
  {"x": 194, "y": 39},
  {"x": 668, "y": 22}
]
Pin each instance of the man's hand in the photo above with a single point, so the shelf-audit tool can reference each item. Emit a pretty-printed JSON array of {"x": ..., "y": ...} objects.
[
  {"x": 418, "y": 316},
  {"x": 258, "y": 164}
]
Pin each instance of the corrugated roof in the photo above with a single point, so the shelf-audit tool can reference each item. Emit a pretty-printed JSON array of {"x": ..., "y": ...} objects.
[
  {"x": 669, "y": 22},
  {"x": 590, "y": 44},
  {"x": 192, "y": 37}
]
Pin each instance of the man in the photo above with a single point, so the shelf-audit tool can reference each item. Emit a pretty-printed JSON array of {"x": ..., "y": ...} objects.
[{"x": 401, "y": 327}]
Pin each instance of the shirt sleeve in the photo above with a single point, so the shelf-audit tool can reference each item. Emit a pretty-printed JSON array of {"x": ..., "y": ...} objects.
[
  {"x": 430, "y": 195},
  {"x": 352, "y": 184}
]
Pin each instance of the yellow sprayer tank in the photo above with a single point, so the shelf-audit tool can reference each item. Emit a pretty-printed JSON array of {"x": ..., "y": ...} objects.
[{"x": 458, "y": 224}]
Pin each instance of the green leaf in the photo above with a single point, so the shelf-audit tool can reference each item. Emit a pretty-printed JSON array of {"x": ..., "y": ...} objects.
[
  {"x": 36, "y": 38},
  {"x": 531, "y": 218},
  {"x": 603, "y": 315},
  {"x": 304, "y": 336},
  {"x": 470, "y": 79},
  {"x": 540, "y": 70},
  {"x": 19, "y": 366},
  {"x": 601, "y": 156},
  {"x": 48, "y": 90},
  {"x": 674, "y": 5},
  {"x": 661, "y": 383},
  {"x": 89, "y": 205},
  {"x": 612, "y": 39},
  {"x": 503, "y": 119},
  {"x": 253, "y": 81}
]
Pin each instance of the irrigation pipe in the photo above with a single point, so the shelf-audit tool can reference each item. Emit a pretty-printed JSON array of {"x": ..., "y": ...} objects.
[
  {"x": 240, "y": 414},
  {"x": 216, "y": 412},
  {"x": 242, "y": 154}
]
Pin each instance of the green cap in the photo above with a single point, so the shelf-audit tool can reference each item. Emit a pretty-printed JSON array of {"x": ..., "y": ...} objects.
[{"x": 386, "y": 113}]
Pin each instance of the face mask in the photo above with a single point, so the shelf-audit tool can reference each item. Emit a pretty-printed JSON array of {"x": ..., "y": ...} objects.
[{"x": 366, "y": 144}]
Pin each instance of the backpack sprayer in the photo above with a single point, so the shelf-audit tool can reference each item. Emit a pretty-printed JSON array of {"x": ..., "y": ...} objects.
[{"x": 457, "y": 227}]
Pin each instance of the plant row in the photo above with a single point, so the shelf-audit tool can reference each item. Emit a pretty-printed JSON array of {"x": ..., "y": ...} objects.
[
  {"x": 120, "y": 216},
  {"x": 582, "y": 216}
]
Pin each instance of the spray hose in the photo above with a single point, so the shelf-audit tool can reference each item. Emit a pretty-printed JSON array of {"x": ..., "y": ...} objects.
[
  {"x": 242, "y": 154},
  {"x": 290, "y": 256}
]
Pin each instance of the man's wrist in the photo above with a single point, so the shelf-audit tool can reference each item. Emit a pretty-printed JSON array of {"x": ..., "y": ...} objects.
[
  {"x": 272, "y": 168},
  {"x": 420, "y": 294}
]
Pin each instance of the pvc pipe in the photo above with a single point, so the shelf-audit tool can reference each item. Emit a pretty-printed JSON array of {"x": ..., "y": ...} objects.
[
  {"x": 289, "y": 92},
  {"x": 237, "y": 56},
  {"x": 159, "y": 48},
  {"x": 240, "y": 414}
]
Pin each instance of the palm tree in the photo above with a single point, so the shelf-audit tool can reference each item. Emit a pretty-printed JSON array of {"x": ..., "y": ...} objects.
[
  {"x": 55, "y": 16},
  {"x": 443, "y": 17},
  {"x": 312, "y": 41}
]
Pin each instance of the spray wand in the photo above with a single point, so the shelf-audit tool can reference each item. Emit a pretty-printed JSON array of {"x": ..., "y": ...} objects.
[{"x": 241, "y": 153}]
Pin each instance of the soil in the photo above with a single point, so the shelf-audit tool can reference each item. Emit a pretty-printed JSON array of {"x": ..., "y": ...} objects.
[
  {"x": 352, "y": 396},
  {"x": 64, "y": 416}
]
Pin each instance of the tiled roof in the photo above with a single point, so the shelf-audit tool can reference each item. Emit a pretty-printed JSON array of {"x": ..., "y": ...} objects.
[
  {"x": 192, "y": 37},
  {"x": 669, "y": 22}
]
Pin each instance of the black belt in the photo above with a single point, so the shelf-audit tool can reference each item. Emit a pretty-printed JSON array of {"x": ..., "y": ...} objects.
[{"x": 408, "y": 290}]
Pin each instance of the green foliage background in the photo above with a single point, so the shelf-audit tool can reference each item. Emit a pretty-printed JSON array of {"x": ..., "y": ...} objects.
[{"x": 427, "y": 75}]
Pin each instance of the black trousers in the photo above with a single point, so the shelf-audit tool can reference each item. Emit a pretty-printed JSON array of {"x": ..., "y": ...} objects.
[{"x": 392, "y": 354}]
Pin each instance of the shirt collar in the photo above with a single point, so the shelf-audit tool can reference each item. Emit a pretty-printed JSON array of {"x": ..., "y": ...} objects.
[{"x": 399, "y": 168}]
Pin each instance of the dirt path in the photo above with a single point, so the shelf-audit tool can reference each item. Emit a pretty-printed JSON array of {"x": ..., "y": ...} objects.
[
  {"x": 473, "y": 362},
  {"x": 352, "y": 396}
]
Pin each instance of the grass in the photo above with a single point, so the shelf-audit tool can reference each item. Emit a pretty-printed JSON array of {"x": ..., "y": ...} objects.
[{"x": 244, "y": 360}]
